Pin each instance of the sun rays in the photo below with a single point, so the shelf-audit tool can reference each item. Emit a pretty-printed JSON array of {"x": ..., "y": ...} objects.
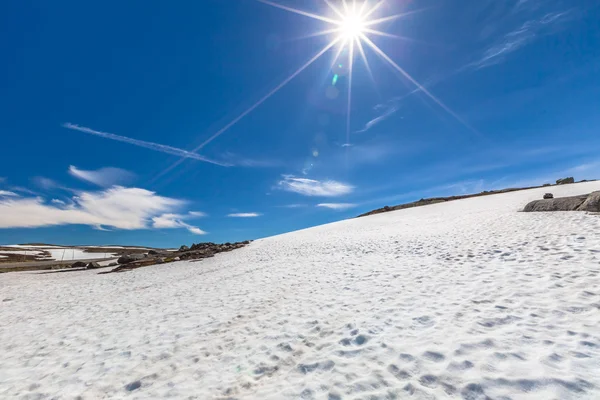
[{"x": 349, "y": 23}]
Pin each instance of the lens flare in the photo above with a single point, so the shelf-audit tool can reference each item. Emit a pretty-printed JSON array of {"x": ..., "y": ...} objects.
[{"x": 349, "y": 26}]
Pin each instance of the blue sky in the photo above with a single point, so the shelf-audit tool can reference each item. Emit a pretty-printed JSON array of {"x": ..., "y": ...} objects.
[{"x": 158, "y": 123}]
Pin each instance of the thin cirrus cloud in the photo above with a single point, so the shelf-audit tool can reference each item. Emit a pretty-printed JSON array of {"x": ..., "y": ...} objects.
[
  {"x": 337, "y": 206},
  {"x": 8, "y": 193},
  {"x": 104, "y": 177},
  {"x": 295, "y": 205},
  {"x": 385, "y": 111},
  {"x": 117, "y": 207},
  {"x": 148, "y": 145},
  {"x": 244, "y": 215},
  {"x": 312, "y": 187},
  {"x": 517, "y": 38}
]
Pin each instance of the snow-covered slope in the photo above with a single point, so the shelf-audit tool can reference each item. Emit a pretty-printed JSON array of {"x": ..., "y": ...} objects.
[{"x": 467, "y": 300}]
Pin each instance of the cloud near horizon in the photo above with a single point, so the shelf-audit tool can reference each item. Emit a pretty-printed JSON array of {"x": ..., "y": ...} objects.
[
  {"x": 117, "y": 207},
  {"x": 105, "y": 177},
  {"x": 244, "y": 215},
  {"x": 337, "y": 206},
  {"x": 312, "y": 187},
  {"x": 7, "y": 193}
]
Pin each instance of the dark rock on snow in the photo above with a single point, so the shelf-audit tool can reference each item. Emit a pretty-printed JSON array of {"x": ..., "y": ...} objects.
[
  {"x": 78, "y": 264},
  {"x": 93, "y": 265},
  {"x": 587, "y": 202},
  {"x": 564, "y": 181},
  {"x": 548, "y": 196},
  {"x": 195, "y": 252},
  {"x": 130, "y": 258},
  {"x": 559, "y": 204},
  {"x": 592, "y": 203}
]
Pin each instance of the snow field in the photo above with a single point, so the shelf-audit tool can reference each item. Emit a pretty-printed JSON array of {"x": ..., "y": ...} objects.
[{"x": 463, "y": 300}]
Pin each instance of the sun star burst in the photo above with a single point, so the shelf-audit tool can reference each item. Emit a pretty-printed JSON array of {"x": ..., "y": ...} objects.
[{"x": 350, "y": 27}]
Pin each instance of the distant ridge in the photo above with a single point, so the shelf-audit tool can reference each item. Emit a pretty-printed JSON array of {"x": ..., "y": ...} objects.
[{"x": 434, "y": 200}]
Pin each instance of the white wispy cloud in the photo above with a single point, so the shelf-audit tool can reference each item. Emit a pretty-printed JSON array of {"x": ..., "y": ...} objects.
[
  {"x": 148, "y": 145},
  {"x": 46, "y": 183},
  {"x": 337, "y": 206},
  {"x": 7, "y": 193},
  {"x": 105, "y": 177},
  {"x": 117, "y": 207},
  {"x": 58, "y": 201},
  {"x": 196, "y": 214},
  {"x": 20, "y": 189},
  {"x": 293, "y": 206},
  {"x": 312, "y": 187},
  {"x": 517, "y": 38},
  {"x": 385, "y": 111},
  {"x": 170, "y": 221},
  {"x": 244, "y": 215}
]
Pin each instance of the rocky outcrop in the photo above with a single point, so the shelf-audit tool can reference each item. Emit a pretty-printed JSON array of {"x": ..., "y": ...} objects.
[
  {"x": 195, "y": 252},
  {"x": 93, "y": 265},
  {"x": 564, "y": 181},
  {"x": 145, "y": 262},
  {"x": 78, "y": 264},
  {"x": 128, "y": 258},
  {"x": 587, "y": 202},
  {"x": 548, "y": 196},
  {"x": 592, "y": 203},
  {"x": 559, "y": 204},
  {"x": 209, "y": 249}
]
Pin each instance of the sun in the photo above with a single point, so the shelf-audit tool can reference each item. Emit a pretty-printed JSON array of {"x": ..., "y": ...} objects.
[{"x": 352, "y": 26}]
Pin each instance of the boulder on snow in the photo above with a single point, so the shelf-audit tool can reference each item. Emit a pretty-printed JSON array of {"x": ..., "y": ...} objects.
[
  {"x": 548, "y": 196},
  {"x": 93, "y": 265},
  {"x": 592, "y": 203},
  {"x": 184, "y": 248},
  {"x": 126, "y": 259},
  {"x": 152, "y": 252},
  {"x": 564, "y": 181},
  {"x": 78, "y": 264},
  {"x": 560, "y": 204}
]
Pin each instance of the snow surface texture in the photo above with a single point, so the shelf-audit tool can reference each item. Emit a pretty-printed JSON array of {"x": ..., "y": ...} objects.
[{"x": 463, "y": 300}]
